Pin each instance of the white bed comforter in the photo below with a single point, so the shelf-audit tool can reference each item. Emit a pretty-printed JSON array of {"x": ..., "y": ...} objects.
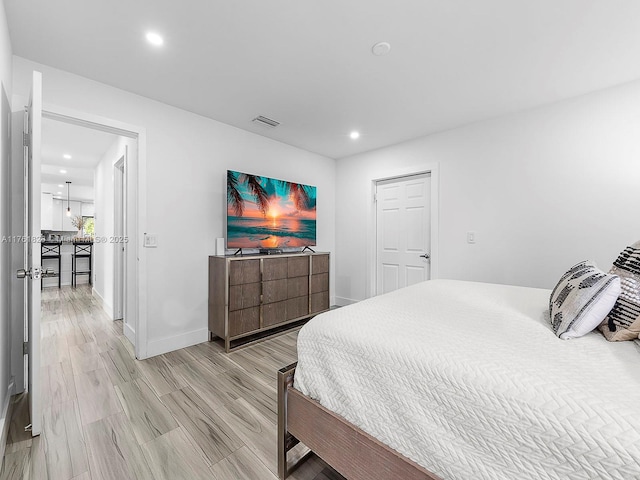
[{"x": 469, "y": 381}]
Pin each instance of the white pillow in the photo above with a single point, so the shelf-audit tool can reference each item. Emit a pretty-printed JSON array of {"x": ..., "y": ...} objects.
[{"x": 582, "y": 299}]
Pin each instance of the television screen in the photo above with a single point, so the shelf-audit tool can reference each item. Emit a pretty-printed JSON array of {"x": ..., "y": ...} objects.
[{"x": 264, "y": 212}]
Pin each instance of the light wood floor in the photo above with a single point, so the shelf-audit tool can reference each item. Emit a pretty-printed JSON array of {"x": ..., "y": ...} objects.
[{"x": 196, "y": 413}]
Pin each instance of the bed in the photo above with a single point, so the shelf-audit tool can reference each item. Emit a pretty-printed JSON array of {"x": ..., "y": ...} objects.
[{"x": 458, "y": 381}]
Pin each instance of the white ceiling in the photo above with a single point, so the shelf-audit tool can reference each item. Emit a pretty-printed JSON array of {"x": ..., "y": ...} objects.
[
  {"x": 86, "y": 147},
  {"x": 308, "y": 64}
]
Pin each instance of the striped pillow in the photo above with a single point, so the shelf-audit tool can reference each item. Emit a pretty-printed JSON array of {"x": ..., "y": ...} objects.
[
  {"x": 623, "y": 322},
  {"x": 581, "y": 299}
]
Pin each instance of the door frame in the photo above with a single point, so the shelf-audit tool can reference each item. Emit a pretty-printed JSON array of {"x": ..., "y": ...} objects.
[
  {"x": 120, "y": 230},
  {"x": 372, "y": 266},
  {"x": 137, "y": 208}
]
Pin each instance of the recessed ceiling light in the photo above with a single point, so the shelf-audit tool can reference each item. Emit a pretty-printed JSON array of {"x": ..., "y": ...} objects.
[
  {"x": 354, "y": 135},
  {"x": 381, "y": 48},
  {"x": 60, "y": 186},
  {"x": 155, "y": 39},
  {"x": 67, "y": 156},
  {"x": 63, "y": 171},
  {"x": 58, "y": 193}
]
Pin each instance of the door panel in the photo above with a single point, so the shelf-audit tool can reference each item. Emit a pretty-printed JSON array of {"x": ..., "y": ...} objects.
[
  {"x": 389, "y": 278},
  {"x": 391, "y": 232},
  {"x": 415, "y": 237},
  {"x": 403, "y": 232},
  {"x": 32, "y": 252}
]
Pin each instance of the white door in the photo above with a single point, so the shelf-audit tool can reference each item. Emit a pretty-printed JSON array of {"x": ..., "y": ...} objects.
[
  {"x": 32, "y": 267},
  {"x": 403, "y": 232}
]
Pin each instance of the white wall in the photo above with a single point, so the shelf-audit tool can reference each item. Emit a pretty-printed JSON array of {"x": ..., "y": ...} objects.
[
  {"x": 104, "y": 228},
  {"x": 187, "y": 158},
  {"x": 5, "y": 222},
  {"x": 542, "y": 189}
]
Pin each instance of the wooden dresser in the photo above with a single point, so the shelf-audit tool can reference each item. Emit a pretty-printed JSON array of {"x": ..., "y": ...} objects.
[{"x": 251, "y": 297}]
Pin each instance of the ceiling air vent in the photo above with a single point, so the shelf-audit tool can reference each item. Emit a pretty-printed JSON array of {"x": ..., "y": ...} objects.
[{"x": 267, "y": 122}]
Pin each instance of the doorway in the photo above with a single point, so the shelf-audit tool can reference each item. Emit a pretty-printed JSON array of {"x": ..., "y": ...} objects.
[
  {"x": 109, "y": 218},
  {"x": 405, "y": 229}
]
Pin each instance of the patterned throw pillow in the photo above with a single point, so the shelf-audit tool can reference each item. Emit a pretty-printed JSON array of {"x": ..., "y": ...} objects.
[
  {"x": 582, "y": 299},
  {"x": 623, "y": 322}
]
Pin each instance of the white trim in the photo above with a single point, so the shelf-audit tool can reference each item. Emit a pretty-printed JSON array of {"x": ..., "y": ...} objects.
[
  {"x": 343, "y": 302},
  {"x": 119, "y": 230},
  {"x": 129, "y": 332},
  {"x": 142, "y": 340},
  {"x": 433, "y": 170},
  {"x": 103, "y": 303},
  {"x": 7, "y": 413},
  {"x": 138, "y": 286},
  {"x": 169, "y": 344}
]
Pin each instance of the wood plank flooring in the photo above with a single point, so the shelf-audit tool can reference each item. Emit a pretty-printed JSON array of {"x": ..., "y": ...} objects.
[{"x": 197, "y": 413}]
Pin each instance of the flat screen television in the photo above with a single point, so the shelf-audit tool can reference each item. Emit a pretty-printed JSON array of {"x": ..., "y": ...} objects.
[{"x": 268, "y": 213}]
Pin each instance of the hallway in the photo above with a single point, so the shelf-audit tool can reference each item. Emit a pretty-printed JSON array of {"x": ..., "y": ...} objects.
[{"x": 191, "y": 414}]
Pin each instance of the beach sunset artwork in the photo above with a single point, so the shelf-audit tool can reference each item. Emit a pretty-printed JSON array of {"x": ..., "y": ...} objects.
[{"x": 264, "y": 212}]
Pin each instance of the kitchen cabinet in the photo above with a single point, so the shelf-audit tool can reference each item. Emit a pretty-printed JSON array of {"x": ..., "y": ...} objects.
[
  {"x": 88, "y": 209},
  {"x": 56, "y": 215},
  {"x": 46, "y": 212}
]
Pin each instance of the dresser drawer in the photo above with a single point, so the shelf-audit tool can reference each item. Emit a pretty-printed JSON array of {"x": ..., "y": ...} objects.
[
  {"x": 274, "y": 268},
  {"x": 298, "y": 267},
  {"x": 244, "y": 271},
  {"x": 244, "y": 321},
  {"x": 297, "y": 287},
  {"x": 274, "y": 291},
  {"x": 319, "y": 302},
  {"x": 320, "y": 283},
  {"x": 297, "y": 307},
  {"x": 274, "y": 313},
  {"x": 244, "y": 296},
  {"x": 319, "y": 264}
]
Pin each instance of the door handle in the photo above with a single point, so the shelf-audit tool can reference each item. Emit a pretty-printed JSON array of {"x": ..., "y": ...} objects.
[
  {"x": 425, "y": 256},
  {"x": 34, "y": 273}
]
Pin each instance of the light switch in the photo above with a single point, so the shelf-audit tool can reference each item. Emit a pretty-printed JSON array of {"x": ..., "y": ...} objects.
[
  {"x": 471, "y": 237},
  {"x": 150, "y": 240}
]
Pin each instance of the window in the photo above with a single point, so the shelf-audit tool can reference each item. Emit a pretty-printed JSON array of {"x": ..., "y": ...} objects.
[{"x": 88, "y": 228}]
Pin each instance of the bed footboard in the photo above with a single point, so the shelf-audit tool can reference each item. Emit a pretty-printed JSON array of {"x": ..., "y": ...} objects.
[
  {"x": 286, "y": 441},
  {"x": 352, "y": 452}
]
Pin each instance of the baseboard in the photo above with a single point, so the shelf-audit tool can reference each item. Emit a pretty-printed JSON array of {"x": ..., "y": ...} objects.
[
  {"x": 169, "y": 344},
  {"x": 105, "y": 306},
  {"x": 5, "y": 421},
  {"x": 343, "y": 302},
  {"x": 129, "y": 332}
]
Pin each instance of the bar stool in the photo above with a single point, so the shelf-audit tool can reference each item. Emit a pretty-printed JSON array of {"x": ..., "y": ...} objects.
[
  {"x": 51, "y": 251},
  {"x": 81, "y": 250}
]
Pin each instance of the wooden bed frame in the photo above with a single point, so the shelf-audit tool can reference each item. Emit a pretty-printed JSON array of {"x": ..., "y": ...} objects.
[{"x": 353, "y": 453}]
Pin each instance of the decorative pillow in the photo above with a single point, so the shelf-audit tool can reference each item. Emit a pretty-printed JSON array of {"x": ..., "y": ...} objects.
[
  {"x": 623, "y": 322},
  {"x": 582, "y": 299}
]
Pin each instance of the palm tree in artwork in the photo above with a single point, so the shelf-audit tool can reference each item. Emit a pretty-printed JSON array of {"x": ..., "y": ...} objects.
[
  {"x": 253, "y": 184},
  {"x": 299, "y": 193},
  {"x": 233, "y": 194}
]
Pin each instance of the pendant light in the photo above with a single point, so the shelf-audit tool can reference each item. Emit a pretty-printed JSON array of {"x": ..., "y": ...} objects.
[{"x": 68, "y": 207}]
